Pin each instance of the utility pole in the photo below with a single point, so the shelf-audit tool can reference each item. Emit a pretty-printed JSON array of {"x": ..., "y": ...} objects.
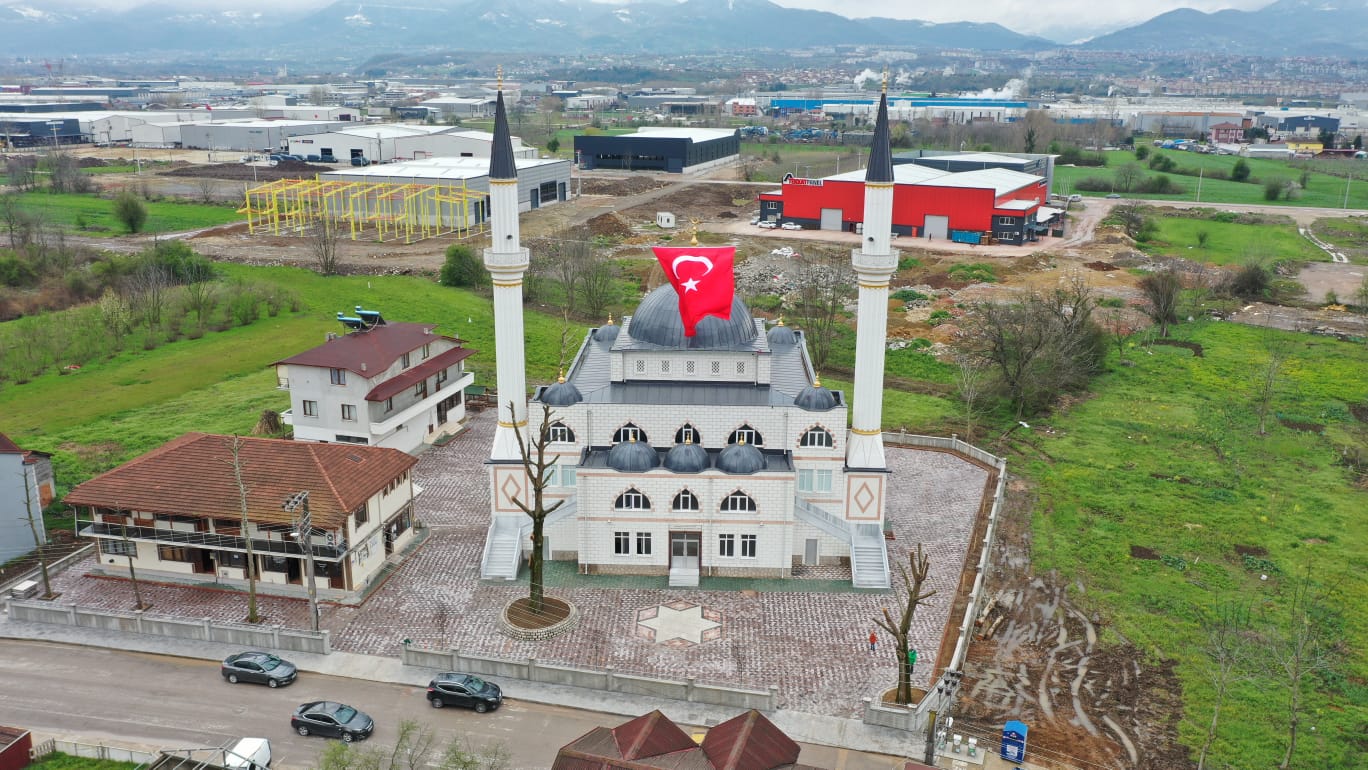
[
  {"x": 1200, "y": 170},
  {"x": 298, "y": 505},
  {"x": 1347, "y": 180}
]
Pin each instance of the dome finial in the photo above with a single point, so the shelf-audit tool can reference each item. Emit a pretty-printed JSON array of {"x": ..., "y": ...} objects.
[
  {"x": 610, "y": 317},
  {"x": 781, "y": 321},
  {"x": 816, "y": 380},
  {"x": 500, "y": 76},
  {"x": 631, "y": 439},
  {"x": 740, "y": 440},
  {"x": 884, "y": 88},
  {"x": 688, "y": 439},
  {"x": 561, "y": 376},
  {"x": 693, "y": 234}
]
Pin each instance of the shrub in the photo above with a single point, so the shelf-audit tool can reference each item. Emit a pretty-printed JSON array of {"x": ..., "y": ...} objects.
[
  {"x": 909, "y": 295},
  {"x": 130, "y": 211},
  {"x": 769, "y": 303},
  {"x": 976, "y": 272},
  {"x": 1251, "y": 281},
  {"x": 1141, "y": 152},
  {"x": 939, "y": 317},
  {"x": 1240, "y": 171},
  {"x": 908, "y": 263},
  {"x": 16, "y": 271},
  {"x": 462, "y": 267},
  {"x": 1273, "y": 189},
  {"x": 553, "y": 146},
  {"x": 181, "y": 261},
  {"x": 1094, "y": 184},
  {"x": 1160, "y": 184}
]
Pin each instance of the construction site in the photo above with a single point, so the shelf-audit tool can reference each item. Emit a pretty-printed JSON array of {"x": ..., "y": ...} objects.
[{"x": 372, "y": 211}]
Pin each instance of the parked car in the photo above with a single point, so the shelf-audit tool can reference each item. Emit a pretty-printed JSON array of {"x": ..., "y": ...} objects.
[
  {"x": 755, "y": 220},
  {"x": 248, "y": 754},
  {"x": 1075, "y": 198},
  {"x": 333, "y": 720},
  {"x": 313, "y": 158},
  {"x": 767, "y": 225},
  {"x": 260, "y": 667},
  {"x": 790, "y": 226},
  {"x": 1114, "y": 195},
  {"x": 453, "y": 689}
]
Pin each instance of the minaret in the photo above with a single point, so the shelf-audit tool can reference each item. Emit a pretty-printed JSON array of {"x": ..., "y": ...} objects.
[
  {"x": 506, "y": 261},
  {"x": 874, "y": 264}
]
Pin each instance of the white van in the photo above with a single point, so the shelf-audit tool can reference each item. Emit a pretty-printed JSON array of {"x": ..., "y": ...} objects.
[{"x": 248, "y": 754}]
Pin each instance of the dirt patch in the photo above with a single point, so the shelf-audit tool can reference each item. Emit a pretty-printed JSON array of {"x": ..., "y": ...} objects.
[
  {"x": 1193, "y": 346},
  {"x": 1305, "y": 427},
  {"x": 553, "y": 611},
  {"x": 610, "y": 225},
  {"x": 100, "y": 453},
  {"x": 245, "y": 172},
  {"x": 1360, "y": 412},
  {"x": 1141, "y": 552},
  {"x": 1099, "y": 265},
  {"x": 1163, "y": 477},
  {"x": 1250, "y": 550},
  {"x": 630, "y": 185}
]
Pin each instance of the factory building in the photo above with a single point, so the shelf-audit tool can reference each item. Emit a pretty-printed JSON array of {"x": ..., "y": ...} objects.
[
  {"x": 541, "y": 182},
  {"x": 391, "y": 142},
  {"x": 676, "y": 150}
]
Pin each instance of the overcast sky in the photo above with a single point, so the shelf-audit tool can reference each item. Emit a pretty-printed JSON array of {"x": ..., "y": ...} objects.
[{"x": 1062, "y": 20}]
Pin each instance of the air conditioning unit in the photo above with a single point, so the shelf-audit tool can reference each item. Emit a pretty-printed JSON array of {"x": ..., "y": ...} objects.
[{"x": 25, "y": 590}]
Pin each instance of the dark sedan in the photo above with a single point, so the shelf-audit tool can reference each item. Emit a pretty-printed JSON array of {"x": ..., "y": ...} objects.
[
  {"x": 453, "y": 689},
  {"x": 260, "y": 667},
  {"x": 334, "y": 720}
]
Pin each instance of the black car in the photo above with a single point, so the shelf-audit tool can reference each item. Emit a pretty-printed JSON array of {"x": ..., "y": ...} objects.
[
  {"x": 334, "y": 720},
  {"x": 260, "y": 667},
  {"x": 453, "y": 689}
]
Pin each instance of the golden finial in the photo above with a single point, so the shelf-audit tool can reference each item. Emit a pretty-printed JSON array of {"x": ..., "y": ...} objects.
[
  {"x": 688, "y": 439},
  {"x": 816, "y": 380},
  {"x": 631, "y": 439},
  {"x": 885, "y": 80},
  {"x": 781, "y": 321},
  {"x": 500, "y": 75},
  {"x": 610, "y": 319},
  {"x": 561, "y": 377},
  {"x": 740, "y": 440},
  {"x": 693, "y": 235}
]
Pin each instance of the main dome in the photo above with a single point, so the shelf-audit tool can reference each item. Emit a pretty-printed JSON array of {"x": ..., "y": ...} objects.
[{"x": 657, "y": 321}]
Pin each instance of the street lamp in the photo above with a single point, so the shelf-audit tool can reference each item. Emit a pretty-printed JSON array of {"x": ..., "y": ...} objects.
[
  {"x": 54, "y": 125},
  {"x": 298, "y": 505}
]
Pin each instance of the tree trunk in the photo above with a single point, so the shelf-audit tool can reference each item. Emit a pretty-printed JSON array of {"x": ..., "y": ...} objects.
[
  {"x": 534, "y": 566},
  {"x": 904, "y": 674},
  {"x": 1211, "y": 731}
]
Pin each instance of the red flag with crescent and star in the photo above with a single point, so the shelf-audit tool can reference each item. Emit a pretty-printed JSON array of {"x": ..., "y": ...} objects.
[{"x": 702, "y": 277}]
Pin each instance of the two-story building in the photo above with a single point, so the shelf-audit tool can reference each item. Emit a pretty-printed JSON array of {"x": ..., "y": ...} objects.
[
  {"x": 177, "y": 511},
  {"x": 382, "y": 384},
  {"x": 26, "y": 486}
]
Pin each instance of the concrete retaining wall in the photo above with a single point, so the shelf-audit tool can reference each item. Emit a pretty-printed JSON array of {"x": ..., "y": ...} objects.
[
  {"x": 607, "y": 680},
  {"x": 204, "y": 630}
]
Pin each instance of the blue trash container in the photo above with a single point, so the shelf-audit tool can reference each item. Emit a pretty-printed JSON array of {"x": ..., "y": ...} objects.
[{"x": 1014, "y": 741}]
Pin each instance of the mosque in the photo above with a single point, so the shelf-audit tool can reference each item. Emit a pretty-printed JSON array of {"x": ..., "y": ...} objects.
[{"x": 694, "y": 450}]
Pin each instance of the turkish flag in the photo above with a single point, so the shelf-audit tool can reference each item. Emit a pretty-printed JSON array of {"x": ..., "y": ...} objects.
[{"x": 703, "y": 279}]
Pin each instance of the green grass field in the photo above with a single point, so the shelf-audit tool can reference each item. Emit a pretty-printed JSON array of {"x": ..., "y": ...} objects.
[
  {"x": 1323, "y": 190},
  {"x": 60, "y": 761},
  {"x": 69, "y": 211},
  {"x": 1167, "y": 457},
  {"x": 1229, "y": 243}
]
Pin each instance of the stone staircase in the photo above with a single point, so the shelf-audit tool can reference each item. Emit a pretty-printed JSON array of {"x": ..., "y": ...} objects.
[{"x": 868, "y": 557}]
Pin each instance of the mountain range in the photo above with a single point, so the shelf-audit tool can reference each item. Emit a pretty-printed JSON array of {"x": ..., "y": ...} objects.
[{"x": 346, "y": 27}]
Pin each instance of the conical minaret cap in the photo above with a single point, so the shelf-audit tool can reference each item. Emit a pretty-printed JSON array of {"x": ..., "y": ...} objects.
[
  {"x": 501, "y": 164},
  {"x": 880, "y": 167}
]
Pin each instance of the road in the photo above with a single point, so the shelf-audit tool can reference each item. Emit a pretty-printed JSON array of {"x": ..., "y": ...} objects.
[{"x": 148, "y": 701}]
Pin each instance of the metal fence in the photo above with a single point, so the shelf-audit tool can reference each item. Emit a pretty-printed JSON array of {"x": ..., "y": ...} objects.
[{"x": 89, "y": 750}]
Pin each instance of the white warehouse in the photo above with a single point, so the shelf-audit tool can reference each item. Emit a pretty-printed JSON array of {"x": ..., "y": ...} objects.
[{"x": 389, "y": 142}]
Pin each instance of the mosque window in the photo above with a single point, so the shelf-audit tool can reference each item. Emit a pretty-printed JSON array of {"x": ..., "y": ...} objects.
[
  {"x": 738, "y": 502},
  {"x": 632, "y": 500},
  {"x": 820, "y": 437},
  {"x": 746, "y": 434},
  {"x": 685, "y": 501},
  {"x": 629, "y": 432},
  {"x": 688, "y": 434},
  {"x": 561, "y": 432}
]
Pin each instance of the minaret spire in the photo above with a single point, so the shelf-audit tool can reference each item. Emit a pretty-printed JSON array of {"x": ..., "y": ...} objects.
[
  {"x": 507, "y": 262},
  {"x": 874, "y": 264}
]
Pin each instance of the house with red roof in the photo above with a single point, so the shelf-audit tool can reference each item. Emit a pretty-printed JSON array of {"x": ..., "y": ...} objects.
[
  {"x": 380, "y": 384},
  {"x": 178, "y": 511},
  {"x": 746, "y": 742},
  {"x": 26, "y": 486}
]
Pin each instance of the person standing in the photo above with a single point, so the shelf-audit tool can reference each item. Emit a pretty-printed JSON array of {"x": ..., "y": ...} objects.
[{"x": 873, "y": 642}]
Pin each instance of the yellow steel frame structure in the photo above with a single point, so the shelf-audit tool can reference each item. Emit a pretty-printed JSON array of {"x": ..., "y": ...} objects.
[{"x": 381, "y": 211}]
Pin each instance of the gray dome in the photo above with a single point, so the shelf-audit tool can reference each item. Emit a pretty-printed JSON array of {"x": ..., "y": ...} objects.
[
  {"x": 741, "y": 458},
  {"x": 814, "y": 398},
  {"x": 687, "y": 458},
  {"x": 561, "y": 394},
  {"x": 607, "y": 333},
  {"x": 632, "y": 457},
  {"x": 781, "y": 335},
  {"x": 657, "y": 321}
]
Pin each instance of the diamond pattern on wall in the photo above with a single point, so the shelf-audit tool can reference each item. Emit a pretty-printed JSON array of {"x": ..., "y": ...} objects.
[
  {"x": 510, "y": 488},
  {"x": 864, "y": 497}
]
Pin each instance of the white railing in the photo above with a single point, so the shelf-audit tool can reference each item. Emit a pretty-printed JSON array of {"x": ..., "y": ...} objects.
[{"x": 827, "y": 522}]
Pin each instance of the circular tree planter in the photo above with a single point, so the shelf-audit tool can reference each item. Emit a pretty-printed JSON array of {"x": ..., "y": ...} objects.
[{"x": 519, "y": 621}]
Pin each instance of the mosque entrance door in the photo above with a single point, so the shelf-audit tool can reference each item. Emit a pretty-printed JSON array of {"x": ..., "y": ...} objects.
[{"x": 684, "y": 548}]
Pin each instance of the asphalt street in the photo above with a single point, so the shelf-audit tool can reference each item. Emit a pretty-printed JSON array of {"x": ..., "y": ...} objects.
[{"x": 95, "y": 695}]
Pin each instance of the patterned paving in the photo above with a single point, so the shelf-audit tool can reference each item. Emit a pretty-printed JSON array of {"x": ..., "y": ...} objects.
[{"x": 803, "y": 642}]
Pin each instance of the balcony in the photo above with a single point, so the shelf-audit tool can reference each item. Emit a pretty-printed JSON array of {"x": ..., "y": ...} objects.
[{"x": 211, "y": 540}]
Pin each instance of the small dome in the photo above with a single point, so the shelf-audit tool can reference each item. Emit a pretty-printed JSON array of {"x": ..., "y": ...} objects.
[
  {"x": 780, "y": 334},
  {"x": 607, "y": 333},
  {"x": 687, "y": 458},
  {"x": 657, "y": 321},
  {"x": 561, "y": 394},
  {"x": 632, "y": 457},
  {"x": 741, "y": 458},
  {"x": 815, "y": 398}
]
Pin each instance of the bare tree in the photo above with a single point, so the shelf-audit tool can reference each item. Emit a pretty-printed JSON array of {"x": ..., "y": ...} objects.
[
  {"x": 35, "y": 521},
  {"x": 1299, "y": 649},
  {"x": 913, "y": 576},
  {"x": 1228, "y": 655},
  {"x": 1128, "y": 176},
  {"x": 566, "y": 261},
  {"x": 1119, "y": 331},
  {"x": 971, "y": 380},
  {"x": 149, "y": 291},
  {"x": 324, "y": 235},
  {"x": 67, "y": 175},
  {"x": 1278, "y": 350},
  {"x": 826, "y": 282},
  {"x": 1162, "y": 290},
  {"x": 598, "y": 281},
  {"x": 235, "y": 450},
  {"x": 1131, "y": 214},
  {"x": 130, "y": 549},
  {"x": 208, "y": 189},
  {"x": 18, "y": 222},
  {"x": 539, "y": 469},
  {"x": 22, "y": 172},
  {"x": 201, "y": 297}
]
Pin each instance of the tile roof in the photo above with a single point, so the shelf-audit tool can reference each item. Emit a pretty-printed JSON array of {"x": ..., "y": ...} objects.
[
  {"x": 649, "y": 735},
  {"x": 193, "y": 476},
  {"x": 8, "y": 447},
  {"x": 749, "y": 742},
  {"x": 422, "y": 371},
  {"x": 367, "y": 353}
]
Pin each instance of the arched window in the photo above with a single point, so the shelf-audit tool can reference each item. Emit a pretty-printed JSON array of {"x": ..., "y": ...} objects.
[
  {"x": 746, "y": 434},
  {"x": 816, "y": 437},
  {"x": 561, "y": 432},
  {"x": 685, "y": 501},
  {"x": 738, "y": 502},
  {"x": 629, "y": 432},
  {"x": 688, "y": 434},
  {"x": 632, "y": 500}
]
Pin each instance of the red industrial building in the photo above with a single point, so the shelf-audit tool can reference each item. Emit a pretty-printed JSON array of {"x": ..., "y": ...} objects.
[{"x": 968, "y": 206}]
